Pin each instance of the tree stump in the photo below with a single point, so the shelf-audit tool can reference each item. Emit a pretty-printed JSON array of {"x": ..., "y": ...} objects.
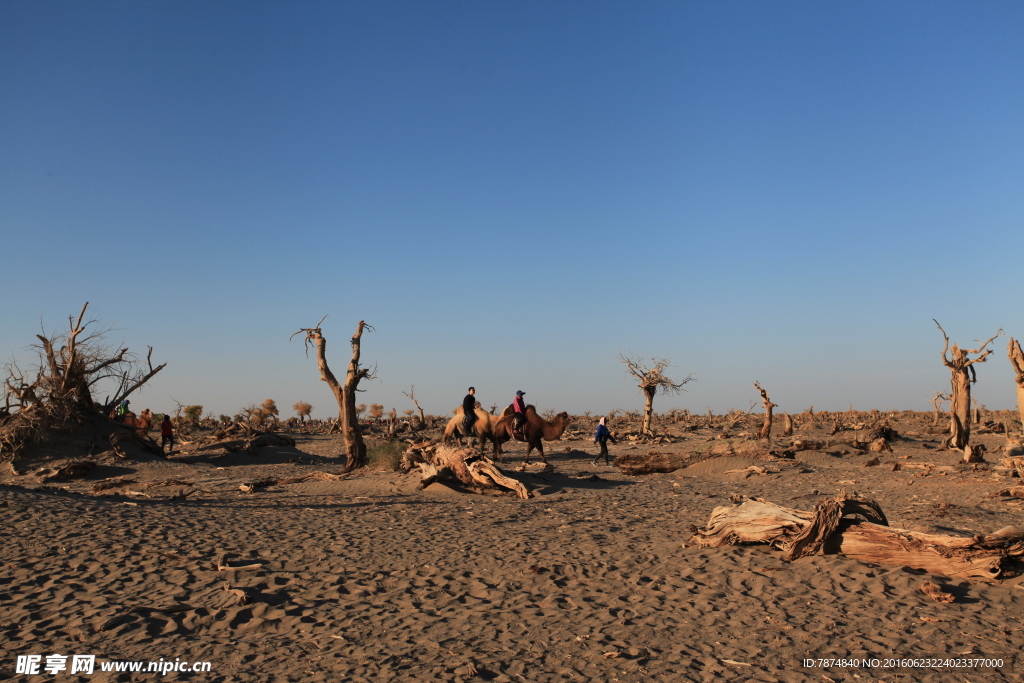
[{"x": 834, "y": 528}]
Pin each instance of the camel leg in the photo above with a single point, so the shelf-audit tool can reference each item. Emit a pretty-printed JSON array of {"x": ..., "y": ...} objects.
[
  {"x": 540, "y": 450},
  {"x": 499, "y": 451}
]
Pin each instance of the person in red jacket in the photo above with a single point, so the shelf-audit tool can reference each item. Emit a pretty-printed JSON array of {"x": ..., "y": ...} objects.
[
  {"x": 167, "y": 434},
  {"x": 518, "y": 412}
]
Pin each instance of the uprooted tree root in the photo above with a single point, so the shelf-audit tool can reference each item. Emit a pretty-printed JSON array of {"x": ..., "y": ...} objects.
[
  {"x": 464, "y": 465},
  {"x": 857, "y": 527},
  {"x": 55, "y": 397}
]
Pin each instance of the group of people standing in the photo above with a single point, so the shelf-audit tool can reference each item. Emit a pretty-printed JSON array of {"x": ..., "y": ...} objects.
[{"x": 601, "y": 437}]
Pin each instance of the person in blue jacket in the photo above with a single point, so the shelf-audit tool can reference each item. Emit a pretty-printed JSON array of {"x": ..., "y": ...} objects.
[{"x": 602, "y": 437}]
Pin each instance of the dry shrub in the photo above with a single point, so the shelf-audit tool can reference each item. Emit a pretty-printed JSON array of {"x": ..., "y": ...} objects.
[{"x": 385, "y": 456}]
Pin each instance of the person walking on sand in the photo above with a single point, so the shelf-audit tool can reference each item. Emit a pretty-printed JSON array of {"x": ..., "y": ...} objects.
[
  {"x": 601, "y": 437},
  {"x": 167, "y": 434},
  {"x": 469, "y": 412}
]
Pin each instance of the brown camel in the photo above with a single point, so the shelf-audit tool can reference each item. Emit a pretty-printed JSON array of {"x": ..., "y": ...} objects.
[
  {"x": 141, "y": 424},
  {"x": 484, "y": 428},
  {"x": 536, "y": 430}
]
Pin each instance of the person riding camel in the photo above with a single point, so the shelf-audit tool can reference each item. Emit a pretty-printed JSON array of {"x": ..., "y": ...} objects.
[
  {"x": 122, "y": 409},
  {"x": 469, "y": 412},
  {"x": 518, "y": 413}
]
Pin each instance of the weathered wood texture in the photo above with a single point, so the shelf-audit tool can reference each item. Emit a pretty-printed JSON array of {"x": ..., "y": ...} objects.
[
  {"x": 1017, "y": 361},
  {"x": 858, "y": 529},
  {"x": 787, "y": 425},
  {"x": 465, "y": 465},
  {"x": 962, "y": 376},
  {"x": 765, "y": 432}
]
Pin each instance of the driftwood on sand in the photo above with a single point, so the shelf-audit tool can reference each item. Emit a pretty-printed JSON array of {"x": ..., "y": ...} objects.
[
  {"x": 464, "y": 465},
  {"x": 857, "y": 528}
]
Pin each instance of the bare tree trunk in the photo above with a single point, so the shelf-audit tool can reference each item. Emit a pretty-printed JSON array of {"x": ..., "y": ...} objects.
[
  {"x": 1017, "y": 361},
  {"x": 787, "y": 429},
  {"x": 766, "y": 428},
  {"x": 354, "y": 445},
  {"x": 645, "y": 427},
  {"x": 345, "y": 394},
  {"x": 963, "y": 374},
  {"x": 937, "y": 404},
  {"x": 959, "y": 408}
]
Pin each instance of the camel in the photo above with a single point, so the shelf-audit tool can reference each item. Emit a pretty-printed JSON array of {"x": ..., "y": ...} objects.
[
  {"x": 141, "y": 424},
  {"x": 484, "y": 428},
  {"x": 536, "y": 429}
]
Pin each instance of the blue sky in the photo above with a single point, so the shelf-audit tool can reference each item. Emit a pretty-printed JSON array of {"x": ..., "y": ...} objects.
[{"x": 512, "y": 192}]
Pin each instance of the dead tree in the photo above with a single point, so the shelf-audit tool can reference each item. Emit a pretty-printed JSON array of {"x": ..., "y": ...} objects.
[
  {"x": 787, "y": 429},
  {"x": 937, "y": 402},
  {"x": 651, "y": 373},
  {"x": 345, "y": 394},
  {"x": 58, "y": 392},
  {"x": 1017, "y": 361},
  {"x": 766, "y": 428},
  {"x": 412, "y": 397},
  {"x": 961, "y": 366}
]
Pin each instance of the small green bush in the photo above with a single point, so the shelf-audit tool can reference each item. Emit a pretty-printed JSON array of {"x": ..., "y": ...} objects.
[{"x": 386, "y": 455}]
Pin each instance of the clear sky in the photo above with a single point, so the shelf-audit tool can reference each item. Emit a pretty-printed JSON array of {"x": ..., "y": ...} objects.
[{"x": 513, "y": 192}]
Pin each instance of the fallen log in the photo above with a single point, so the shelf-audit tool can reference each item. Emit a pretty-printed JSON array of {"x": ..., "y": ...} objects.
[
  {"x": 857, "y": 528},
  {"x": 1012, "y": 492},
  {"x": 465, "y": 465},
  {"x": 752, "y": 521}
]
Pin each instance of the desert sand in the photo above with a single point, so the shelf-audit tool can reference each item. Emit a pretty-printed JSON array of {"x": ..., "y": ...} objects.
[{"x": 594, "y": 578}]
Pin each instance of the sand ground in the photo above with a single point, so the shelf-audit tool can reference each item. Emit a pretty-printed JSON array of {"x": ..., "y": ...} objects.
[{"x": 592, "y": 579}]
